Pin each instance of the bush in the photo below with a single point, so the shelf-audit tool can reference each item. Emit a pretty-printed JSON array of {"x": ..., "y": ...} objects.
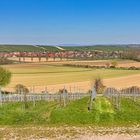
[
  {"x": 133, "y": 68},
  {"x": 5, "y": 76},
  {"x": 114, "y": 64},
  {"x": 98, "y": 84},
  {"x": 21, "y": 89}
]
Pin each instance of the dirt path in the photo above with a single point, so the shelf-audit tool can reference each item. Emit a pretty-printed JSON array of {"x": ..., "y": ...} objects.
[{"x": 69, "y": 133}]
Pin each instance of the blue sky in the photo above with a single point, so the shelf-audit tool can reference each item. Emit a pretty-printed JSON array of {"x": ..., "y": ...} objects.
[{"x": 69, "y": 21}]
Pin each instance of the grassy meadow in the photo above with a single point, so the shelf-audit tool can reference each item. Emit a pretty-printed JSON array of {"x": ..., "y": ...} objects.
[{"x": 75, "y": 113}]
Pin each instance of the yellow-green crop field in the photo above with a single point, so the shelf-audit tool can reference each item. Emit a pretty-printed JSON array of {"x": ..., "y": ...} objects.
[{"x": 46, "y": 74}]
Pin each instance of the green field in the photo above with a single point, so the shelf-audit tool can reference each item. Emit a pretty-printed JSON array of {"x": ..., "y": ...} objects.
[
  {"x": 43, "y": 74},
  {"x": 75, "y": 113}
]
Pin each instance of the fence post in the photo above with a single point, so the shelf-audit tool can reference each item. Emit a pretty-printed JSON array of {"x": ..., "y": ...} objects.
[
  {"x": 64, "y": 97},
  {"x": 134, "y": 94},
  {"x": 34, "y": 103},
  {"x": 92, "y": 97},
  {"x": 70, "y": 90},
  {"x": 119, "y": 101},
  {"x": 46, "y": 92},
  {"x": 0, "y": 97}
]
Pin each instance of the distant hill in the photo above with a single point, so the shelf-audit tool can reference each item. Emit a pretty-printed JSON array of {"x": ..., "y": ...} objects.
[
  {"x": 26, "y": 48},
  {"x": 103, "y": 47},
  {"x": 18, "y": 48},
  {"x": 40, "y": 48}
]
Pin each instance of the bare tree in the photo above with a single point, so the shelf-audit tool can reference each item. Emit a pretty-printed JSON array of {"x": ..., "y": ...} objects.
[
  {"x": 23, "y": 90},
  {"x": 98, "y": 84}
]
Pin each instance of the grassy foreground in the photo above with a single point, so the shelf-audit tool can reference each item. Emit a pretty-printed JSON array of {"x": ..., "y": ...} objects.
[{"x": 76, "y": 113}]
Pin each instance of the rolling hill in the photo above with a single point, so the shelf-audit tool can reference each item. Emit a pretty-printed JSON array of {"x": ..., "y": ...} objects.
[{"x": 40, "y": 48}]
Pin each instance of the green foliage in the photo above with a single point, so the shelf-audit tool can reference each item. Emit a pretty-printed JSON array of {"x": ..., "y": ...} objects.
[
  {"x": 103, "y": 113},
  {"x": 5, "y": 76},
  {"x": 76, "y": 112},
  {"x": 13, "y": 113}
]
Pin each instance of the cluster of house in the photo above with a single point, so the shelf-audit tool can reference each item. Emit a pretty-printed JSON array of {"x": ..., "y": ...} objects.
[{"x": 66, "y": 54}]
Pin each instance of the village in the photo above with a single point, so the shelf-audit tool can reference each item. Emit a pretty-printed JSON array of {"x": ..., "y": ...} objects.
[{"x": 65, "y": 54}]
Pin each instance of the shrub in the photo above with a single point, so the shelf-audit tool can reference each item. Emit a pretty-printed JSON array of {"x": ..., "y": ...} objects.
[
  {"x": 21, "y": 89},
  {"x": 98, "y": 84},
  {"x": 5, "y": 76},
  {"x": 114, "y": 64},
  {"x": 133, "y": 68}
]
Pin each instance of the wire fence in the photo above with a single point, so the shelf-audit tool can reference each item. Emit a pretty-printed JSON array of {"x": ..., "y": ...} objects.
[
  {"x": 62, "y": 97},
  {"x": 115, "y": 95},
  {"x": 38, "y": 97}
]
